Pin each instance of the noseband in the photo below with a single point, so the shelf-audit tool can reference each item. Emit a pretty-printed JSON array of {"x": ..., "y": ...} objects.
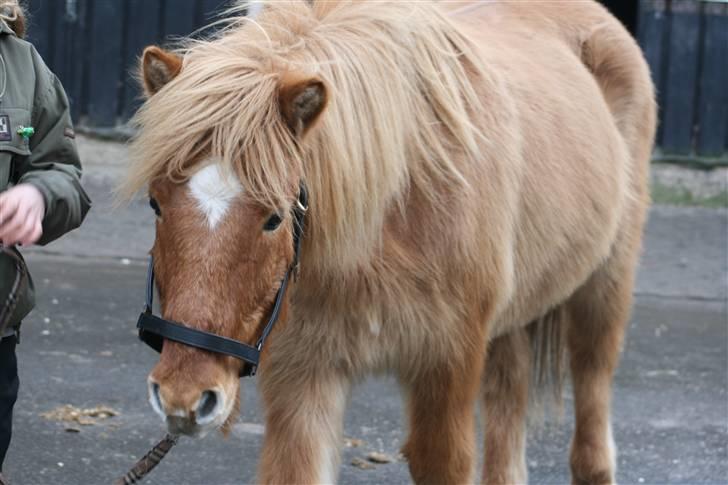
[{"x": 154, "y": 330}]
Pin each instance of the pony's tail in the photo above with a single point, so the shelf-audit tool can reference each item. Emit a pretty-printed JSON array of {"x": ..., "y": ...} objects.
[
  {"x": 12, "y": 13},
  {"x": 547, "y": 337},
  {"x": 616, "y": 62}
]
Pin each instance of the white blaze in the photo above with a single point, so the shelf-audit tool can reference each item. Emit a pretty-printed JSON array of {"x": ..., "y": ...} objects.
[{"x": 214, "y": 189}]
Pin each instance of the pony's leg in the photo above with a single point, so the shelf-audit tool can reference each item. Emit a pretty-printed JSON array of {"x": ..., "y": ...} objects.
[
  {"x": 440, "y": 447},
  {"x": 599, "y": 315},
  {"x": 505, "y": 405},
  {"x": 304, "y": 424}
]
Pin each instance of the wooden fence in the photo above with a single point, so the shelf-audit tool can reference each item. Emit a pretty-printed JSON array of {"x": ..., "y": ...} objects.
[
  {"x": 686, "y": 45},
  {"x": 92, "y": 45}
]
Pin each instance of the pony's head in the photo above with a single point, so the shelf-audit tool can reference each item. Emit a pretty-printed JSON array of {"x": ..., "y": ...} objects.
[{"x": 221, "y": 248}]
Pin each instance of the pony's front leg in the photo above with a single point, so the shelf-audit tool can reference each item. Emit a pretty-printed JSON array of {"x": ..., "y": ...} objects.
[
  {"x": 441, "y": 447},
  {"x": 304, "y": 409}
]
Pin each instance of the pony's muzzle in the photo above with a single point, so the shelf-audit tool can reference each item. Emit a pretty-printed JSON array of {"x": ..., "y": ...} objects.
[
  {"x": 187, "y": 416},
  {"x": 177, "y": 425}
]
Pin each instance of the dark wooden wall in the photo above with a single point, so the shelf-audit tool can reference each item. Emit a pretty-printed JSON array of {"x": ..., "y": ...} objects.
[
  {"x": 625, "y": 10},
  {"x": 92, "y": 45},
  {"x": 686, "y": 45}
]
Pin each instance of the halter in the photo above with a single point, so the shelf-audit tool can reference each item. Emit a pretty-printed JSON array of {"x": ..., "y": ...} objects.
[{"x": 154, "y": 330}]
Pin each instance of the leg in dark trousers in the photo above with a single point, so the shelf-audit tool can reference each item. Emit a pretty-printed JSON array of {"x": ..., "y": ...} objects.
[{"x": 8, "y": 392}]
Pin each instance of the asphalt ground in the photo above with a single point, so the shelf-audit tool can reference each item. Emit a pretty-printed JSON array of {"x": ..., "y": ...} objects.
[{"x": 79, "y": 347}]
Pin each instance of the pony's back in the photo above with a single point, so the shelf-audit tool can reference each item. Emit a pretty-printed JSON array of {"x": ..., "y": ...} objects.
[{"x": 585, "y": 117}]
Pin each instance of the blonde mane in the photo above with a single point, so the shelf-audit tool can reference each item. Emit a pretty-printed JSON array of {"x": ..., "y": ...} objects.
[{"x": 400, "y": 79}]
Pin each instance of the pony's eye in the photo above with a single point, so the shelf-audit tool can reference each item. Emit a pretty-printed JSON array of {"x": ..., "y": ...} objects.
[
  {"x": 155, "y": 206},
  {"x": 272, "y": 223}
]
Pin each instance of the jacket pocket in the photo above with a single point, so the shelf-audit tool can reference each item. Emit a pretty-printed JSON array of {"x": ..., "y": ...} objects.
[
  {"x": 11, "y": 143},
  {"x": 17, "y": 292}
]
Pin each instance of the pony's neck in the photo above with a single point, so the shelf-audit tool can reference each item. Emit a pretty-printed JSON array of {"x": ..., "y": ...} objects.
[{"x": 401, "y": 115}]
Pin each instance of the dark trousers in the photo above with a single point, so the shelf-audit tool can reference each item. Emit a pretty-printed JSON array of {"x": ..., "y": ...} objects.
[{"x": 8, "y": 393}]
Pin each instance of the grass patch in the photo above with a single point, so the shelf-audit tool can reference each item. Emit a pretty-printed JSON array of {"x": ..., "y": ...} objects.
[{"x": 662, "y": 194}]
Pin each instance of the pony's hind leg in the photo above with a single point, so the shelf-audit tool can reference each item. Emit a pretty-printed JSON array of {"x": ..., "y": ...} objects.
[
  {"x": 599, "y": 313},
  {"x": 505, "y": 405}
]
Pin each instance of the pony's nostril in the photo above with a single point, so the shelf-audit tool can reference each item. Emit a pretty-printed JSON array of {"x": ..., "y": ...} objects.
[
  {"x": 155, "y": 399},
  {"x": 207, "y": 406}
]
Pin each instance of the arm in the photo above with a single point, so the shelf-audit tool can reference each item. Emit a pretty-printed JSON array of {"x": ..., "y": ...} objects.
[{"x": 53, "y": 168}]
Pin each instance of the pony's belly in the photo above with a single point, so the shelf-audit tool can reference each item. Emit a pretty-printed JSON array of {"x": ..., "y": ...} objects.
[{"x": 540, "y": 290}]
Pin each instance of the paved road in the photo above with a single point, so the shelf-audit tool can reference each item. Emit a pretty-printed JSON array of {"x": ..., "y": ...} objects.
[{"x": 79, "y": 347}]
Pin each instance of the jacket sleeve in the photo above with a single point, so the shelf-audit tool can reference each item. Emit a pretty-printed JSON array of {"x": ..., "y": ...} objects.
[{"x": 53, "y": 166}]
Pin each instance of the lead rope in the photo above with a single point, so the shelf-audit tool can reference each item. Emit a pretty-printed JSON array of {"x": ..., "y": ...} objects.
[{"x": 147, "y": 463}]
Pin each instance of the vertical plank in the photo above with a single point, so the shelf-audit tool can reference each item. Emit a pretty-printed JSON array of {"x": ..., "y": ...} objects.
[
  {"x": 626, "y": 12},
  {"x": 142, "y": 30},
  {"x": 60, "y": 42},
  {"x": 56, "y": 31},
  {"x": 66, "y": 19},
  {"x": 212, "y": 8},
  {"x": 713, "y": 101},
  {"x": 179, "y": 19},
  {"x": 74, "y": 53},
  {"x": 104, "y": 62},
  {"x": 209, "y": 11},
  {"x": 652, "y": 36},
  {"x": 41, "y": 27},
  {"x": 681, "y": 81}
]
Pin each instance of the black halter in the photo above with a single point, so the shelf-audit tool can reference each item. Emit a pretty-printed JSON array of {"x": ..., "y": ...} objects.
[{"x": 154, "y": 330}]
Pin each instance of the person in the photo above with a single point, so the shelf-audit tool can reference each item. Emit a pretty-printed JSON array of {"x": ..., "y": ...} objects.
[{"x": 41, "y": 197}]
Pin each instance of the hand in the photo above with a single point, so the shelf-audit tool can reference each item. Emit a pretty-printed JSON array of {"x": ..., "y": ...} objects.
[{"x": 21, "y": 215}]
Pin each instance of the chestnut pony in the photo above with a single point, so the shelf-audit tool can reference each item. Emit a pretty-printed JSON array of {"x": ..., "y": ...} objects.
[{"x": 477, "y": 177}]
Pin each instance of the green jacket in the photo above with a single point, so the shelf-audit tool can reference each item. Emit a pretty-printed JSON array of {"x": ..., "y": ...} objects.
[{"x": 33, "y": 97}]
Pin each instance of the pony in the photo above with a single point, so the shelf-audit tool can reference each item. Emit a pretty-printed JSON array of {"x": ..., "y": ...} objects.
[{"x": 477, "y": 177}]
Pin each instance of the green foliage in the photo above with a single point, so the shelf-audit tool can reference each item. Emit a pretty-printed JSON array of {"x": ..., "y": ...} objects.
[{"x": 662, "y": 194}]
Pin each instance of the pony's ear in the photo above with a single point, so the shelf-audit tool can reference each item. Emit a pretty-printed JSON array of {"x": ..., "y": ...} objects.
[
  {"x": 158, "y": 68},
  {"x": 302, "y": 100}
]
